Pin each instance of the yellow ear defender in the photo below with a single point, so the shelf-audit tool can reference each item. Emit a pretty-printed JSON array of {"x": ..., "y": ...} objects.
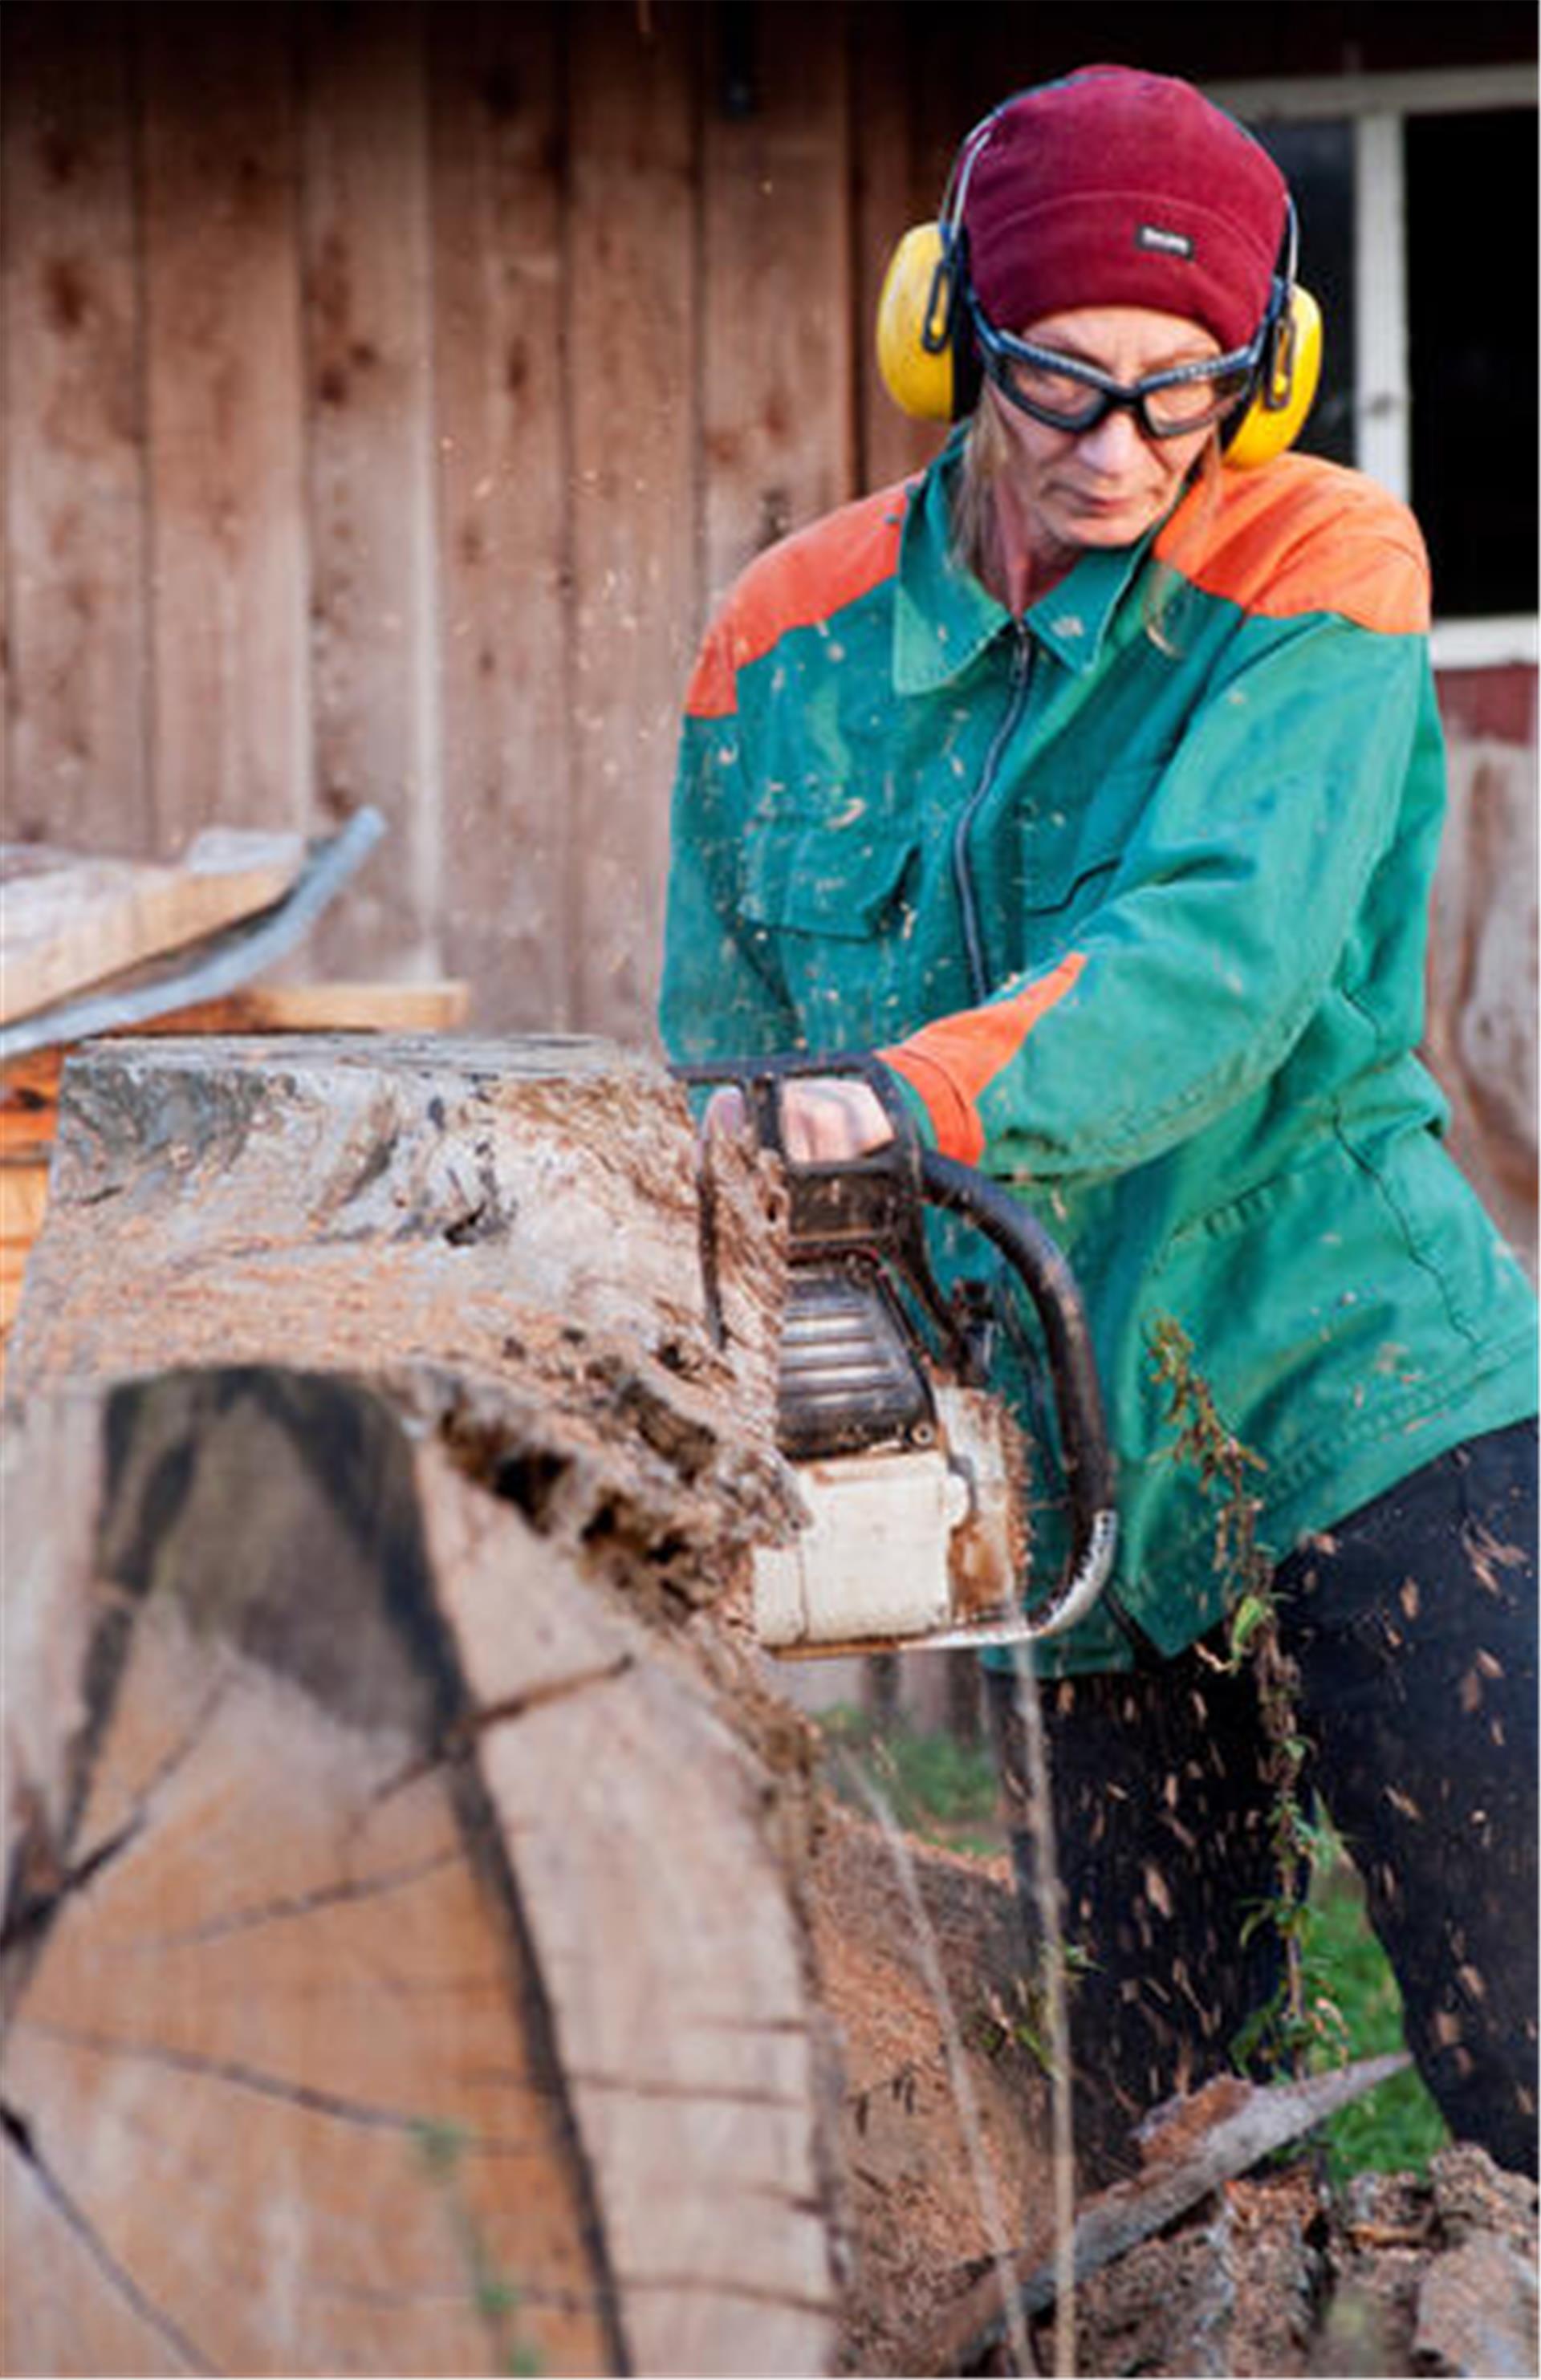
[
  {"x": 918, "y": 327},
  {"x": 925, "y": 353},
  {"x": 1287, "y": 378}
]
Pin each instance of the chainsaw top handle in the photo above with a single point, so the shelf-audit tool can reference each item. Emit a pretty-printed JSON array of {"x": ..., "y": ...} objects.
[{"x": 872, "y": 1204}]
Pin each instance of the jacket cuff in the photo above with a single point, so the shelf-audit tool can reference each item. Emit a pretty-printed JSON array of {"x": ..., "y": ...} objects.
[{"x": 945, "y": 1120}]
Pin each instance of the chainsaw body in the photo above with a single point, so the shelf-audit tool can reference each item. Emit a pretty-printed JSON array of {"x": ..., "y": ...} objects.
[{"x": 913, "y": 1471}]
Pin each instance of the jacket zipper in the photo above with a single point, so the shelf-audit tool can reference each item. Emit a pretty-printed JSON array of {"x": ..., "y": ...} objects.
[{"x": 973, "y": 946}]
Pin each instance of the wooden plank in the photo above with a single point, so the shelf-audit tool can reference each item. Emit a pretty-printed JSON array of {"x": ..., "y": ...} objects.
[
  {"x": 1228, "y": 2127},
  {"x": 778, "y": 366},
  {"x": 325, "y": 1008},
  {"x": 371, "y": 483},
  {"x": 894, "y": 187},
  {"x": 208, "y": 969},
  {"x": 632, "y": 338},
  {"x": 23, "y": 1202},
  {"x": 71, "y": 920},
  {"x": 29, "y": 1111},
  {"x": 231, "y": 687},
  {"x": 75, "y": 512},
  {"x": 499, "y": 403}
]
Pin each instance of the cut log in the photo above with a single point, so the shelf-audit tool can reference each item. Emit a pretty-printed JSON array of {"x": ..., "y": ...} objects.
[
  {"x": 403, "y": 1966},
  {"x": 70, "y": 920},
  {"x": 30, "y": 1086},
  {"x": 504, "y": 1234}
]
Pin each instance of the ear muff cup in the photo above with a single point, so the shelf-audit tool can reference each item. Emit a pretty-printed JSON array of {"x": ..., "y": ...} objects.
[
  {"x": 925, "y": 352},
  {"x": 1287, "y": 381}
]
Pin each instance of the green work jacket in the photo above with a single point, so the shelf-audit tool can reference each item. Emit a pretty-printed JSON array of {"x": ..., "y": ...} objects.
[{"x": 1131, "y": 895}]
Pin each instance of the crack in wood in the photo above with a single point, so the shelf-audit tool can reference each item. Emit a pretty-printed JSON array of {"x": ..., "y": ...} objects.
[
  {"x": 698, "y": 2285},
  {"x": 35, "y": 1911},
  {"x": 797, "y": 2202},
  {"x": 691, "y": 2093},
  {"x": 531, "y": 2294},
  {"x": 461, "y": 1737},
  {"x": 42, "y": 1879},
  {"x": 291, "y": 1906},
  {"x": 305, "y": 2095},
  {"x": 788, "y": 2028},
  {"x": 20, "y": 2139},
  {"x": 530, "y": 1698}
]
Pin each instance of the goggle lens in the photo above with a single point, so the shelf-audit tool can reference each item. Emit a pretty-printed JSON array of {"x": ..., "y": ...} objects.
[{"x": 1165, "y": 405}]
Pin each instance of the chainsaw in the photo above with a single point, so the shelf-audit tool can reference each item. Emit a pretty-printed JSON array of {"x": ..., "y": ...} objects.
[{"x": 912, "y": 1473}]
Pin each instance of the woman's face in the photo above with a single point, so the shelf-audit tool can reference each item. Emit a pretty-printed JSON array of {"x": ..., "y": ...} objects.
[{"x": 1105, "y": 486}]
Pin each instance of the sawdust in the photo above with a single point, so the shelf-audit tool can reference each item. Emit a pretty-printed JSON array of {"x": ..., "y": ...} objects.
[
  {"x": 917, "y": 2221},
  {"x": 1272, "y": 2274}
]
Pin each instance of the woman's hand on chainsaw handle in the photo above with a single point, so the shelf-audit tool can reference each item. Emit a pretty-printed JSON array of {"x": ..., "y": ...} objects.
[{"x": 826, "y": 1119}]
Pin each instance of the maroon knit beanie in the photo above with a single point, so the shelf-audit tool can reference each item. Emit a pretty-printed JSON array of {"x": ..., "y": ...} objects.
[{"x": 1115, "y": 188}]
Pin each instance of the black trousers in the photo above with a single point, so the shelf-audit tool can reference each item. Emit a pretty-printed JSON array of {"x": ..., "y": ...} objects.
[{"x": 1413, "y": 1627}]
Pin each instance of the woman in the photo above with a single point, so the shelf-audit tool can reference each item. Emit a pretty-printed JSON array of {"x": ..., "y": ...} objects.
[{"x": 1093, "y": 782}]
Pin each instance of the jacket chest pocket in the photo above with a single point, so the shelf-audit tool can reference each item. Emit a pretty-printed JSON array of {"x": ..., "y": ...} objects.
[
  {"x": 1068, "y": 857},
  {"x": 1060, "y": 889},
  {"x": 833, "y": 911}
]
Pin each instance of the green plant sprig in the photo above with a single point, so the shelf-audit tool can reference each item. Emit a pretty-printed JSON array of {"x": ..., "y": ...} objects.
[{"x": 1296, "y": 2021}]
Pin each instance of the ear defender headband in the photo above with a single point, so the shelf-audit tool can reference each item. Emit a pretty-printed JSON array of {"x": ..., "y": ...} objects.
[{"x": 929, "y": 357}]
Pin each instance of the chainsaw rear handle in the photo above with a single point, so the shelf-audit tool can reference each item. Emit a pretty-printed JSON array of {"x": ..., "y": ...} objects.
[{"x": 865, "y": 1201}]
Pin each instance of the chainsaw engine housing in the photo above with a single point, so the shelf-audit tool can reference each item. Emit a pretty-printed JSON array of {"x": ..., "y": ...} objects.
[
  {"x": 913, "y": 1474},
  {"x": 903, "y": 1543}
]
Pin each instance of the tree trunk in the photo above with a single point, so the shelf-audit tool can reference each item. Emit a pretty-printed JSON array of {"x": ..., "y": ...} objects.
[{"x": 404, "y": 1964}]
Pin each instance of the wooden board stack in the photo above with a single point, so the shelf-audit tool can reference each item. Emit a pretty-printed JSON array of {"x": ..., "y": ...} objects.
[{"x": 70, "y": 922}]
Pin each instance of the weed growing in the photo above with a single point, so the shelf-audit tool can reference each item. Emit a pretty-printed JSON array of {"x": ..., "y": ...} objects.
[{"x": 1339, "y": 1999}]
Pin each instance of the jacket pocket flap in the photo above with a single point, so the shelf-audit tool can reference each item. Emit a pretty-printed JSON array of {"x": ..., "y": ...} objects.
[
  {"x": 1054, "y": 868},
  {"x": 819, "y": 882}
]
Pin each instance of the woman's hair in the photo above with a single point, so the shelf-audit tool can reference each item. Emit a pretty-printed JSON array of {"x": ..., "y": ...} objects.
[
  {"x": 984, "y": 459},
  {"x": 986, "y": 456}
]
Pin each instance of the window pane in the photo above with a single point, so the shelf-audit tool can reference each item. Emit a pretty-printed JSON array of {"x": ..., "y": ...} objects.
[
  {"x": 1316, "y": 159},
  {"x": 1471, "y": 307}
]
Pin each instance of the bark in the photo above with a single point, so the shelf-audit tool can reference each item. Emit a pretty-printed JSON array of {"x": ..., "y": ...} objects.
[{"x": 404, "y": 1965}]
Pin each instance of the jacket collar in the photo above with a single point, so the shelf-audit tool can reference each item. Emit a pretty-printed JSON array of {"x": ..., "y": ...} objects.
[{"x": 945, "y": 619}]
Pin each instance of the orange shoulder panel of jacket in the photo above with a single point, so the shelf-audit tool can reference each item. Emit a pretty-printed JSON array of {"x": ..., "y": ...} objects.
[
  {"x": 1300, "y": 535},
  {"x": 795, "y": 585}
]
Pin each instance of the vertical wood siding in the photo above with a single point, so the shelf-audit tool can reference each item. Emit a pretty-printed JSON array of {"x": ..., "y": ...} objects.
[
  {"x": 390, "y": 391},
  {"x": 77, "y": 746},
  {"x": 218, "y": 243}
]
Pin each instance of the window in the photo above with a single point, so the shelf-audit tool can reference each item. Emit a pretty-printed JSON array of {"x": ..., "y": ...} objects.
[{"x": 1416, "y": 198}]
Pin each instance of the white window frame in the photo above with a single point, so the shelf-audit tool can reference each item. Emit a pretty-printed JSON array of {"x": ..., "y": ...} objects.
[{"x": 1376, "y": 105}]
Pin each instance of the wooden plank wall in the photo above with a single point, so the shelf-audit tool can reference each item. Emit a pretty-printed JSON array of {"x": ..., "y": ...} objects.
[{"x": 390, "y": 390}]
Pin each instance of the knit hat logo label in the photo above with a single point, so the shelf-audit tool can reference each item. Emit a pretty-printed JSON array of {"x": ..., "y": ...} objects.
[{"x": 1165, "y": 243}]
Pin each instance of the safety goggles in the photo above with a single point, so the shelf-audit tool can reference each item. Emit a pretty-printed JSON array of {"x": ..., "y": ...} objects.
[{"x": 1064, "y": 393}]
